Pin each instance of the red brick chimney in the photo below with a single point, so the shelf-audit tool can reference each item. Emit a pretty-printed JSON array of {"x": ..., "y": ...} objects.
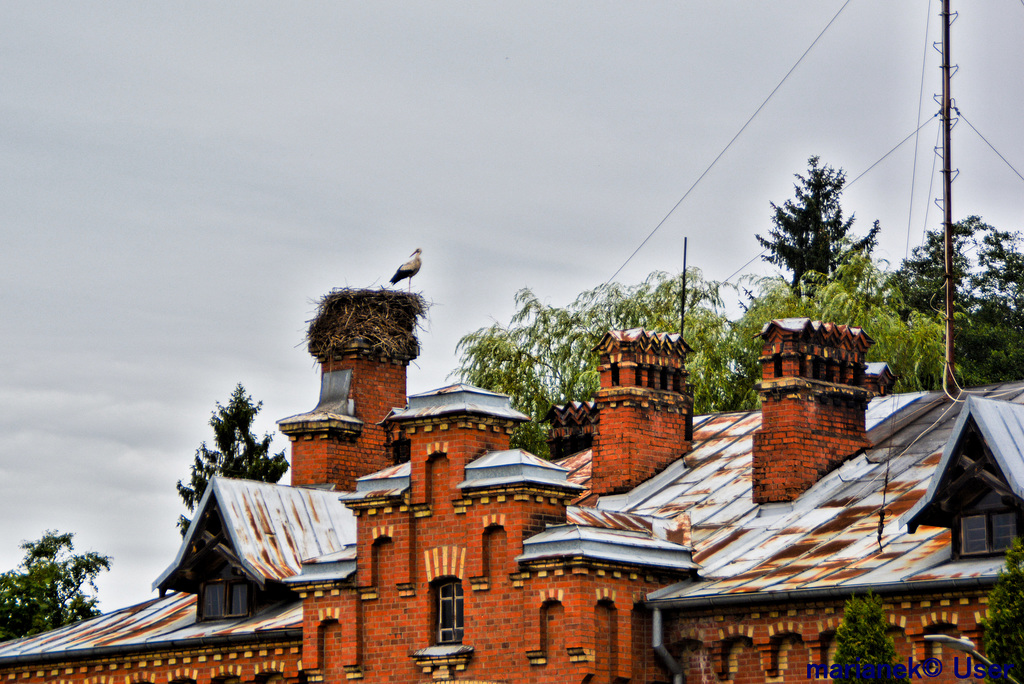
[
  {"x": 813, "y": 402},
  {"x": 363, "y": 341},
  {"x": 644, "y": 410}
]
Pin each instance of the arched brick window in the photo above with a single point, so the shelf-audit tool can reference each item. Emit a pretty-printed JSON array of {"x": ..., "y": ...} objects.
[
  {"x": 607, "y": 638},
  {"x": 552, "y": 639},
  {"x": 494, "y": 548},
  {"x": 448, "y": 600},
  {"x": 437, "y": 479},
  {"x": 380, "y": 553}
]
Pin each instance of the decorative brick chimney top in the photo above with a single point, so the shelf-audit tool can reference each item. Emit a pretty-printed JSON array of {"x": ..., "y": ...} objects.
[
  {"x": 879, "y": 378},
  {"x": 573, "y": 427},
  {"x": 813, "y": 403},
  {"x": 643, "y": 412},
  {"x": 363, "y": 341}
]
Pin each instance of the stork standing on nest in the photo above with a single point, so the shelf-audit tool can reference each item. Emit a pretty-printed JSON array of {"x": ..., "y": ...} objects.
[{"x": 408, "y": 269}]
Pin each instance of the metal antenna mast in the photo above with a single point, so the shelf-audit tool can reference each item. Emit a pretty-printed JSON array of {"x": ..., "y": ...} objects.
[
  {"x": 947, "y": 194},
  {"x": 682, "y": 297}
]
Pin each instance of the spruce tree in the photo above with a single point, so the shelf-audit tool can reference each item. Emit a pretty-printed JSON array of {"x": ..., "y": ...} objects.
[
  {"x": 810, "y": 234},
  {"x": 237, "y": 452},
  {"x": 863, "y": 639}
]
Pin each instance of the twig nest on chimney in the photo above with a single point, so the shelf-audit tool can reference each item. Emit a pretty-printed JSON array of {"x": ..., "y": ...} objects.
[{"x": 381, "y": 321}]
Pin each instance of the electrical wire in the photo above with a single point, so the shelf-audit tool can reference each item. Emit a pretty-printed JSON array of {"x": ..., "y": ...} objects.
[
  {"x": 920, "y": 105},
  {"x": 960, "y": 114},
  {"x": 861, "y": 175},
  {"x": 898, "y": 145},
  {"x": 931, "y": 184},
  {"x": 734, "y": 138}
]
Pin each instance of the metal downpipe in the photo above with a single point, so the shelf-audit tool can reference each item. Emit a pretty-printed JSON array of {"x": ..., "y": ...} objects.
[{"x": 659, "y": 648}]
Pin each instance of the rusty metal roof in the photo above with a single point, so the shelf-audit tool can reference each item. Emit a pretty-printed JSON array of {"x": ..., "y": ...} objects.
[
  {"x": 271, "y": 528},
  {"x": 153, "y": 624},
  {"x": 828, "y": 536}
]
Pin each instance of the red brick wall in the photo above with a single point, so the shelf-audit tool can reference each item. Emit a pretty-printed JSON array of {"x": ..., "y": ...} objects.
[
  {"x": 641, "y": 431},
  {"x": 775, "y": 643},
  {"x": 802, "y": 439},
  {"x": 250, "y": 662}
]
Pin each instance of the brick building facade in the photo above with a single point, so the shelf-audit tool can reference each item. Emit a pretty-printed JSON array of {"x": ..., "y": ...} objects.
[{"x": 415, "y": 545}]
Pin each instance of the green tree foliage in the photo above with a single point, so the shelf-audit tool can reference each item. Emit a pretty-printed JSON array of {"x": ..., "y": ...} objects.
[
  {"x": 1004, "y": 626},
  {"x": 48, "y": 589},
  {"x": 988, "y": 273},
  {"x": 544, "y": 356},
  {"x": 862, "y": 637},
  {"x": 236, "y": 452},
  {"x": 860, "y": 293},
  {"x": 810, "y": 234}
]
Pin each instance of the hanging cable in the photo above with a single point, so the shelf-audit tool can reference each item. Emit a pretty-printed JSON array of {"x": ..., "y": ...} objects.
[
  {"x": 882, "y": 158},
  {"x": 931, "y": 185},
  {"x": 920, "y": 105},
  {"x": 734, "y": 138},
  {"x": 859, "y": 176},
  {"x": 960, "y": 114}
]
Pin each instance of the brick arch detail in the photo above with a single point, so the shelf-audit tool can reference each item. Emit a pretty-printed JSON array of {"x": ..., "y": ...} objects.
[
  {"x": 493, "y": 520},
  {"x": 270, "y": 667},
  {"x": 437, "y": 449},
  {"x": 225, "y": 671},
  {"x": 445, "y": 561},
  {"x": 182, "y": 675},
  {"x": 383, "y": 532},
  {"x": 777, "y": 633},
  {"x": 325, "y": 615},
  {"x": 606, "y": 595},
  {"x": 139, "y": 678}
]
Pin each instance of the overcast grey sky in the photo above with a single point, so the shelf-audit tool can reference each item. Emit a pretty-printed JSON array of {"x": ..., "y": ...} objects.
[{"x": 178, "y": 181}]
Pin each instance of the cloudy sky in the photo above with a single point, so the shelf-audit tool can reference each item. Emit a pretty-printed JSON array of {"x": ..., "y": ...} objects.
[{"x": 178, "y": 182}]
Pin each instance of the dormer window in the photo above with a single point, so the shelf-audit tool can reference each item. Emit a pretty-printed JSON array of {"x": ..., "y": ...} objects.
[
  {"x": 977, "y": 490},
  {"x": 989, "y": 526},
  {"x": 221, "y": 599}
]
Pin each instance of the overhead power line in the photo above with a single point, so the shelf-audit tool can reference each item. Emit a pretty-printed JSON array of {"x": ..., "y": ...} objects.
[
  {"x": 859, "y": 176},
  {"x": 734, "y": 138},
  {"x": 1005, "y": 160}
]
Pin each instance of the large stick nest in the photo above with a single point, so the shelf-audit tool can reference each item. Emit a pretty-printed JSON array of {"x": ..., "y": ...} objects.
[{"x": 384, "y": 321}]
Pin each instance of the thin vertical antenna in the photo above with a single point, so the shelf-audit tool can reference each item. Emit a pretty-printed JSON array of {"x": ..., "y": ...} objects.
[
  {"x": 682, "y": 297},
  {"x": 948, "y": 380}
]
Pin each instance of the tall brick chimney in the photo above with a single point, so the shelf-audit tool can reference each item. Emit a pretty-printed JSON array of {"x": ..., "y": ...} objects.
[
  {"x": 363, "y": 340},
  {"x": 813, "y": 403},
  {"x": 644, "y": 409}
]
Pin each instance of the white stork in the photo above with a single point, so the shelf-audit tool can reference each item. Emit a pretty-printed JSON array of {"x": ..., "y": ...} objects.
[{"x": 408, "y": 269}]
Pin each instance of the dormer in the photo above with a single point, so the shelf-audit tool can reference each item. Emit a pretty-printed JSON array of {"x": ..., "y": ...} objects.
[
  {"x": 248, "y": 543},
  {"x": 977, "y": 490}
]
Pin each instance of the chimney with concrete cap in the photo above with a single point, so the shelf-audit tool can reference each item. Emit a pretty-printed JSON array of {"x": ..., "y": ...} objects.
[
  {"x": 363, "y": 341},
  {"x": 644, "y": 411},
  {"x": 813, "y": 404}
]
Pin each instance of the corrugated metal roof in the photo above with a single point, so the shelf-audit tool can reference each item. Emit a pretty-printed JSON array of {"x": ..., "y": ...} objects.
[
  {"x": 272, "y": 528},
  {"x": 828, "y": 536},
  {"x": 155, "y": 622}
]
